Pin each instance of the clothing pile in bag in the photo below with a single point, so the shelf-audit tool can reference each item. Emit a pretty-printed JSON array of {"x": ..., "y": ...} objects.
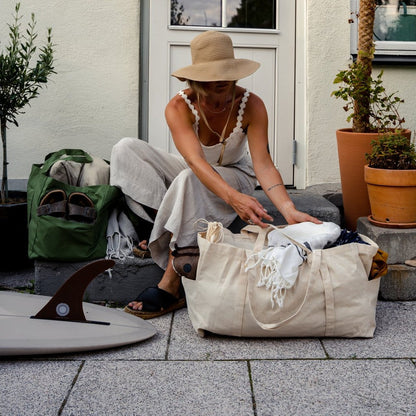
[{"x": 280, "y": 261}]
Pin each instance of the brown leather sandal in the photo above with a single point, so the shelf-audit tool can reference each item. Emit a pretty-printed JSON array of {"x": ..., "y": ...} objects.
[
  {"x": 81, "y": 208},
  {"x": 53, "y": 203}
]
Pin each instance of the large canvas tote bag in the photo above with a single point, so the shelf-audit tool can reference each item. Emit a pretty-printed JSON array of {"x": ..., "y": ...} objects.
[{"x": 332, "y": 296}]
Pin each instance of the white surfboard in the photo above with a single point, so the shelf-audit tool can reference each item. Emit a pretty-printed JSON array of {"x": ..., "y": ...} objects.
[{"x": 34, "y": 324}]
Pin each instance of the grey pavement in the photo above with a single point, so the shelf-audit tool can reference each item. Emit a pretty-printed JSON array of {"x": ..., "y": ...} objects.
[{"x": 178, "y": 373}]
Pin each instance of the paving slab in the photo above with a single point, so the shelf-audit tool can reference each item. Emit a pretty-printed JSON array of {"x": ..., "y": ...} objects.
[
  {"x": 334, "y": 387},
  {"x": 35, "y": 387},
  {"x": 161, "y": 388},
  {"x": 185, "y": 344},
  {"x": 394, "y": 335},
  {"x": 154, "y": 348}
]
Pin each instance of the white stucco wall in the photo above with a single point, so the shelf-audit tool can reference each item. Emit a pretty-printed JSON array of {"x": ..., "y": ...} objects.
[
  {"x": 92, "y": 101},
  {"x": 327, "y": 52}
]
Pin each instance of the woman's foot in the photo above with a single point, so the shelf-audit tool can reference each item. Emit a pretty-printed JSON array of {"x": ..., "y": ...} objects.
[
  {"x": 153, "y": 302},
  {"x": 156, "y": 301},
  {"x": 142, "y": 250}
]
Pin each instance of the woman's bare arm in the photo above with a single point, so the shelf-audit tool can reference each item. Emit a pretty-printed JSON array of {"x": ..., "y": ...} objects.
[
  {"x": 267, "y": 174},
  {"x": 180, "y": 123}
]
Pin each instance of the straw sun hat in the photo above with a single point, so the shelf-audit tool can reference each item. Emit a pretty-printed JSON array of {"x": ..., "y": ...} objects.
[{"x": 213, "y": 60}]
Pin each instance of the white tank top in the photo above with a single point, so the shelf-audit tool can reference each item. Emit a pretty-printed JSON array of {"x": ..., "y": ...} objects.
[{"x": 236, "y": 142}]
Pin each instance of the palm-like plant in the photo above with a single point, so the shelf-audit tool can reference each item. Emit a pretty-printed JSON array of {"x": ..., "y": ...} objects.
[
  {"x": 365, "y": 60},
  {"x": 21, "y": 77},
  {"x": 372, "y": 109}
]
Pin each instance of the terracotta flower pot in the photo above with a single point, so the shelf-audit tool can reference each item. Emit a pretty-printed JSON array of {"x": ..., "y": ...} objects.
[
  {"x": 352, "y": 148},
  {"x": 392, "y": 195}
]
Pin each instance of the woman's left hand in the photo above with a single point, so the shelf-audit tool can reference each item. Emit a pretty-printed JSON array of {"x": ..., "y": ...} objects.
[{"x": 294, "y": 216}]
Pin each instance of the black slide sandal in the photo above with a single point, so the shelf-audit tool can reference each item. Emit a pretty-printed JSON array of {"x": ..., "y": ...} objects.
[{"x": 156, "y": 302}]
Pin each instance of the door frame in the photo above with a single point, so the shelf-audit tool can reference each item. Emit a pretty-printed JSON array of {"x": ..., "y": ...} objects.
[{"x": 300, "y": 114}]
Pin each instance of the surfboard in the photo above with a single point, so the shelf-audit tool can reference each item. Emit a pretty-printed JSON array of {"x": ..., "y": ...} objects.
[{"x": 35, "y": 324}]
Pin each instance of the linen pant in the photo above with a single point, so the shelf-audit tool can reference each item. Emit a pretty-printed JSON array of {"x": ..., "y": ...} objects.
[{"x": 163, "y": 181}]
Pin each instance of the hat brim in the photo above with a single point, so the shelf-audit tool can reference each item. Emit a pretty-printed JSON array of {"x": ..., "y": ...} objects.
[{"x": 223, "y": 70}]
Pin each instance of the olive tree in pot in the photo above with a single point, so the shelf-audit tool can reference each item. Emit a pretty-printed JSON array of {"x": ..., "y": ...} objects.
[
  {"x": 391, "y": 180},
  {"x": 371, "y": 109},
  {"x": 23, "y": 72}
]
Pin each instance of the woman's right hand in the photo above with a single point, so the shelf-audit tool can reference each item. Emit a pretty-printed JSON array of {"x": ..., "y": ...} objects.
[{"x": 249, "y": 209}]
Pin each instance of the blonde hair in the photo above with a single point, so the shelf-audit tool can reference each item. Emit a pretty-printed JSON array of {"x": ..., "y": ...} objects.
[{"x": 198, "y": 87}]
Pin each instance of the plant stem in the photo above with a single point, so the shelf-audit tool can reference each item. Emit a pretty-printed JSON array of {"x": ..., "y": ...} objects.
[
  {"x": 4, "y": 184},
  {"x": 365, "y": 58}
]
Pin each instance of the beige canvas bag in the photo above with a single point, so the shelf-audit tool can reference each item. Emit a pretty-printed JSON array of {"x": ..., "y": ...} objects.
[{"x": 332, "y": 296}]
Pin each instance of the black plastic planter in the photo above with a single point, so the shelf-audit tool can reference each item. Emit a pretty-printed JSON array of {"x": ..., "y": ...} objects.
[{"x": 14, "y": 234}]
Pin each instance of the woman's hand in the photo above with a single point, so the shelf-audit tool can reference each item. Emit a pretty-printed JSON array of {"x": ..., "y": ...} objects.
[
  {"x": 249, "y": 209},
  {"x": 294, "y": 216}
]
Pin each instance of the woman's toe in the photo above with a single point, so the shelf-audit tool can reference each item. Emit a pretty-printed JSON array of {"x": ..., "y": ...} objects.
[
  {"x": 137, "y": 306},
  {"x": 143, "y": 245}
]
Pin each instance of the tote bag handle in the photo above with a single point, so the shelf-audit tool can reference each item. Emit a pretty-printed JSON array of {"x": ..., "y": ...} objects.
[
  {"x": 74, "y": 155},
  {"x": 316, "y": 262},
  {"x": 270, "y": 326},
  {"x": 261, "y": 235}
]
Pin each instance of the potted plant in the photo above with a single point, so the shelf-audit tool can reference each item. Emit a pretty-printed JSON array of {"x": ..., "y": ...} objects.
[
  {"x": 22, "y": 74},
  {"x": 391, "y": 180},
  {"x": 372, "y": 111}
]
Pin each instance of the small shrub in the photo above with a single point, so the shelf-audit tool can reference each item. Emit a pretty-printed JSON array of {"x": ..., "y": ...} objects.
[
  {"x": 392, "y": 151},
  {"x": 366, "y": 99}
]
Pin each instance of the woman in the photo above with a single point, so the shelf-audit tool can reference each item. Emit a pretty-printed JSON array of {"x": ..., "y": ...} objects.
[{"x": 211, "y": 123}]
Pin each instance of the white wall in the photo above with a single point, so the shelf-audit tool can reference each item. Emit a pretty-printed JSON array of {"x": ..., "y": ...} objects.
[
  {"x": 327, "y": 52},
  {"x": 92, "y": 101}
]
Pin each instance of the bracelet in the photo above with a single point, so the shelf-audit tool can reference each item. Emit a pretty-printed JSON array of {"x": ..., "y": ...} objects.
[{"x": 274, "y": 186}]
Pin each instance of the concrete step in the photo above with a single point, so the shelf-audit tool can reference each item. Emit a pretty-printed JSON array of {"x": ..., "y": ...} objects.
[
  {"x": 399, "y": 283},
  {"x": 400, "y": 244},
  {"x": 121, "y": 284},
  {"x": 130, "y": 277}
]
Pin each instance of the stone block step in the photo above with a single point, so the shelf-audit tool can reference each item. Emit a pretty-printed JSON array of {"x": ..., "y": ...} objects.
[
  {"x": 399, "y": 243},
  {"x": 130, "y": 277},
  {"x": 399, "y": 284},
  {"x": 121, "y": 284}
]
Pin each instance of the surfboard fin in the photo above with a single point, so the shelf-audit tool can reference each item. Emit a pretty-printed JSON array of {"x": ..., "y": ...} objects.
[{"x": 66, "y": 304}]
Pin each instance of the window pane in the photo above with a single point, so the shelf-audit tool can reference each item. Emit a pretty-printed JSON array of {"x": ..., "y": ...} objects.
[
  {"x": 251, "y": 13},
  {"x": 259, "y": 14},
  {"x": 195, "y": 12},
  {"x": 395, "y": 20}
]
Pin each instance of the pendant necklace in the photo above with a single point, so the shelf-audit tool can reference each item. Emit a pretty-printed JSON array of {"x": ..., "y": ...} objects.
[{"x": 220, "y": 136}]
